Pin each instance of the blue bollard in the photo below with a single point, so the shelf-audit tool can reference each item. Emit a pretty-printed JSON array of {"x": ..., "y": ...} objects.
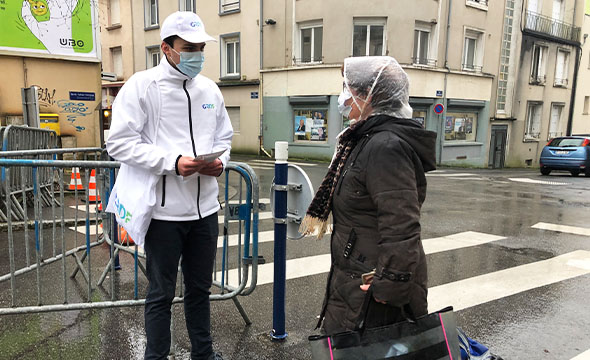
[{"x": 280, "y": 241}]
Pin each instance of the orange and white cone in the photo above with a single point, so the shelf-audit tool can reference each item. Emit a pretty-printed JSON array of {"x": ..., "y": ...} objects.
[
  {"x": 75, "y": 180},
  {"x": 93, "y": 196},
  {"x": 124, "y": 238}
]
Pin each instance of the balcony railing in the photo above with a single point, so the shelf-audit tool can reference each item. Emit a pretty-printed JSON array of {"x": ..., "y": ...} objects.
[
  {"x": 423, "y": 61},
  {"x": 552, "y": 27}
]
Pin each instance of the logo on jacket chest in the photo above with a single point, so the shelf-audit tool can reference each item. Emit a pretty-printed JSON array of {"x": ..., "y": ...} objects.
[{"x": 208, "y": 106}]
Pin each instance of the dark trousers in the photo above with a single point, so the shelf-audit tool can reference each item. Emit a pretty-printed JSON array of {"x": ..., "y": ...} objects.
[{"x": 165, "y": 242}]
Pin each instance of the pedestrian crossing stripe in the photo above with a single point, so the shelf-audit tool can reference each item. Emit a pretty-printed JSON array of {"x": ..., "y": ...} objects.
[
  {"x": 562, "y": 228},
  {"x": 481, "y": 289},
  {"x": 532, "y": 181},
  {"x": 271, "y": 162},
  {"x": 583, "y": 356},
  {"x": 318, "y": 264},
  {"x": 449, "y": 174}
]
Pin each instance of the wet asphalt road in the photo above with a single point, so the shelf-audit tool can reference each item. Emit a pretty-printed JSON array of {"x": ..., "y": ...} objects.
[{"x": 544, "y": 322}]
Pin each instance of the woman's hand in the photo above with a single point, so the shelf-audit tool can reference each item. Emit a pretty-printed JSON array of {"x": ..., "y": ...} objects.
[{"x": 365, "y": 288}]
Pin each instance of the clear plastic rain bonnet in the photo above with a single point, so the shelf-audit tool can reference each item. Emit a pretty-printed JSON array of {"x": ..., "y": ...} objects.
[{"x": 381, "y": 81}]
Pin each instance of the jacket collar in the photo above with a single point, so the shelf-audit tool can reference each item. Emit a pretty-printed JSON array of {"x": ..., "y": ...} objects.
[{"x": 171, "y": 73}]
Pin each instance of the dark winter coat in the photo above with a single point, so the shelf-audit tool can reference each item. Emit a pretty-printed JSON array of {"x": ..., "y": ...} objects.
[{"x": 376, "y": 212}]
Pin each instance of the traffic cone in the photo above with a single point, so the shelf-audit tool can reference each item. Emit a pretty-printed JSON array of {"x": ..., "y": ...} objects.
[
  {"x": 93, "y": 196},
  {"x": 75, "y": 180},
  {"x": 124, "y": 238}
]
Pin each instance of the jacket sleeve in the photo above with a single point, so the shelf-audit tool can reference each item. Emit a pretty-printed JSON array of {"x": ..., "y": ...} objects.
[
  {"x": 223, "y": 133},
  {"x": 391, "y": 183},
  {"x": 134, "y": 121}
]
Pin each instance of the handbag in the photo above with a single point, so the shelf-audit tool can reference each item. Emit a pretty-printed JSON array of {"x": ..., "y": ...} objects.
[{"x": 432, "y": 336}]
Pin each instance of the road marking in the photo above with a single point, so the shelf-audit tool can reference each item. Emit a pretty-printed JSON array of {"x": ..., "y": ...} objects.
[
  {"x": 271, "y": 162},
  {"x": 82, "y": 229},
  {"x": 562, "y": 228},
  {"x": 583, "y": 356},
  {"x": 265, "y": 215},
  {"x": 91, "y": 208},
  {"x": 532, "y": 181},
  {"x": 318, "y": 264},
  {"x": 481, "y": 289},
  {"x": 450, "y": 174}
]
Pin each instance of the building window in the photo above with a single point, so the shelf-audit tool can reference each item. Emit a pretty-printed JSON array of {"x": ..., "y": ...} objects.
[
  {"x": 234, "y": 116},
  {"x": 230, "y": 56},
  {"x": 229, "y": 6},
  {"x": 533, "y": 6},
  {"x": 473, "y": 51},
  {"x": 151, "y": 13},
  {"x": 422, "y": 54},
  {"x": 117, "y": 61},
  {"x": 368, "y": 38},
  {"x": 561, "y": 68},
  {"x": 114, "y": 12},
  {"x": 555, "y": 121},
  {"x": 186, "y": 5},
  {"x": 538, "y": 65},
  {"x": 310, "y": 43},
  {"x": 533, "y": 121},
  {"x": 310, "y": 125},
  {"x": 586, "y": 105},
  {"x": 152, "y": 56},
  {"x": 460, "y": 126},
  {"x": 480, "y": 4}
]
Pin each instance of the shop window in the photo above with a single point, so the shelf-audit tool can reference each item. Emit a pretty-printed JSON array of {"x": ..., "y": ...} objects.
[
  {"x": 368, "y": 38},
  {"x": 538, "y": 65},
  {"x": 151, "y": 13},
  {"x": 230, "y": 56},
  {"x": 310, "y": 125},
  {"x": 460, "y": 126},
  {"x": 561, "y": 68},
  {"x": 234, "y": 116},
  {"x": 533, "y": 121},
  {"x": 419, "y": 116},
  {"x": 152, "y": 56},
  {"x": 310, "y": 43}
]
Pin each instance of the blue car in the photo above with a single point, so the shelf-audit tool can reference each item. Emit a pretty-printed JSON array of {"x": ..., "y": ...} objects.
[{"x": 568, "y": 153}]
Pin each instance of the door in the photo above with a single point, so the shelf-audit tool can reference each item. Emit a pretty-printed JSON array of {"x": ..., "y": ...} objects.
[{"x": 498, "y": 146}]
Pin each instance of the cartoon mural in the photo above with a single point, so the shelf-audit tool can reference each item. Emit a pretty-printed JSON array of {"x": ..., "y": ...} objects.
[{"x": 57, "y": 27}]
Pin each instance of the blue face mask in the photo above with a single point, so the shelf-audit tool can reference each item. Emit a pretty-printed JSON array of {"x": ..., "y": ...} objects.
[{"x": 191, "y": 63}]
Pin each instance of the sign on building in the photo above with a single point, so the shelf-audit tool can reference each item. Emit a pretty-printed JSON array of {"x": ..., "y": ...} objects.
[{"x": 62, "y": 28}]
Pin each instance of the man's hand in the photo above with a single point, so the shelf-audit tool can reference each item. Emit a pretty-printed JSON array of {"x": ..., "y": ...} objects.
[{"x": 188, "y": 166}]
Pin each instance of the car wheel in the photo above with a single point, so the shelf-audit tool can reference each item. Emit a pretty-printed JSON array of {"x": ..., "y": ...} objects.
[
  {"x": 545, "y": 171},
  {"x": 575, "y": 172}
]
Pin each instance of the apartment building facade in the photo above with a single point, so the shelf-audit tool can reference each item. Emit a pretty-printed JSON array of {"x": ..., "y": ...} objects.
[
  {"x": 581, "y": 118},
  {"x": 133, "y": 44}
]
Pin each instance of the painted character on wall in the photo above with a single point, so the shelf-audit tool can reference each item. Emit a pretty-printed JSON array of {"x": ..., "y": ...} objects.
[{"x": 50, "y": 21}]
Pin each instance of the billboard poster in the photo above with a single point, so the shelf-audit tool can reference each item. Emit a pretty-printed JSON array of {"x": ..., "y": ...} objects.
[
  {"x": 56, "y": 27},
  {"x": 311, "y": 125}
]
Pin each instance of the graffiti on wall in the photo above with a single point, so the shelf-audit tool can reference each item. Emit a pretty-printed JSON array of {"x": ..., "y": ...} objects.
[
  {"x": 73, "y": 111},
  {"x": 45, "y": 95}
]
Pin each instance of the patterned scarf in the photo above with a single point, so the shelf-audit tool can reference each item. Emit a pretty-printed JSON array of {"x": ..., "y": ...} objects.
[{"x": 321, "y": 205}]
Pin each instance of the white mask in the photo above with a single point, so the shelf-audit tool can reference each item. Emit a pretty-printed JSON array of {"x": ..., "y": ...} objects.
[{"x": 344, "y": 96}]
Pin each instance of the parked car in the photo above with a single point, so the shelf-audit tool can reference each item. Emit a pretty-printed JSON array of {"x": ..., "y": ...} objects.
[{"x": 568, "y": 153}]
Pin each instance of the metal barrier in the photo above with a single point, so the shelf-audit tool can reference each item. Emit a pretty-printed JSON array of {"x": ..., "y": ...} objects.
[{"x": 240, "y": 215}]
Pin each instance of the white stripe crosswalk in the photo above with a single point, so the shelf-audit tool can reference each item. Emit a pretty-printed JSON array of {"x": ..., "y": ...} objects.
[
  {"x": 562, "y": 228},
  {"x": 583, "y": 356}
]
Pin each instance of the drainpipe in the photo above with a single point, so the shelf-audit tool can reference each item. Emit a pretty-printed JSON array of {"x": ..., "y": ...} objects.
[
  {"x": 260, "y": 97},
  {"x": 570, "y": 118},
  {"x": 444, "y": 114}
]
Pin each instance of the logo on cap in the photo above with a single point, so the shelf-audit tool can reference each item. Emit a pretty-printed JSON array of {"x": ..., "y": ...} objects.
[{"x": 195, "y": 24}]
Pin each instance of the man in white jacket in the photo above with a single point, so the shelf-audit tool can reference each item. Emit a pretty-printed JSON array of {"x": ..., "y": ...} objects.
[{"x": 163, "y": 118}]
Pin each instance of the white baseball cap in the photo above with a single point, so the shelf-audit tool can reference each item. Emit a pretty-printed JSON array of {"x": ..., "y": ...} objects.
[{"x": 187, "y": 25}]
